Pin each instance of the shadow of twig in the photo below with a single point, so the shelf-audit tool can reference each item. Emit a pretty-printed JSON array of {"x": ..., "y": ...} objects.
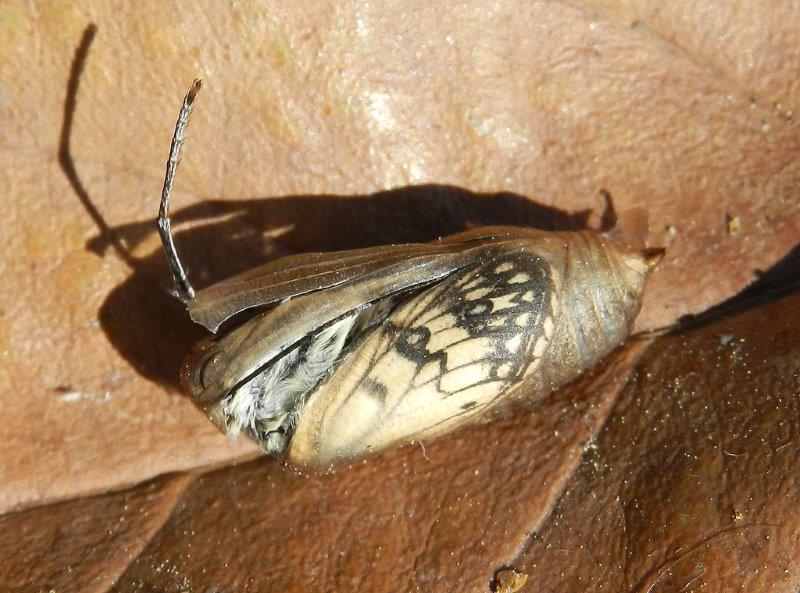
[
  {"x": 64, "y": 154},
  {"x": 779, "y": 280}
]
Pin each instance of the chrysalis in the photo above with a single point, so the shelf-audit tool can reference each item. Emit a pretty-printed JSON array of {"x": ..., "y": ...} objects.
[{"x": 327, "y": 357}]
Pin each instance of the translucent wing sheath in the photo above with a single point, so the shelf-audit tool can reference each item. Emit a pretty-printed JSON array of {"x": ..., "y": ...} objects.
[
  {"x": 313, "y": 291},
  {"x": 300, "y": 274}
]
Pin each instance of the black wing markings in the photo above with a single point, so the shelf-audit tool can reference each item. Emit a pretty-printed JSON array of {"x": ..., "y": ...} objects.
[{"x": 407, "y": 334}]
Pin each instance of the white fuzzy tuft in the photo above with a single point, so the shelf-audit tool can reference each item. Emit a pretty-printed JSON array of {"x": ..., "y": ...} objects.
[
  {"x": 242, "y": 407},
  {"x": 320, "y": 356},
  {"x": 272, "y": 397},
  {"x": 268, "y": 406}
]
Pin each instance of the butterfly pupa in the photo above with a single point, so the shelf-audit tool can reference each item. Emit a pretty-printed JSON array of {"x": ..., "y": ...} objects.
[{"x": 327, "y": 357}]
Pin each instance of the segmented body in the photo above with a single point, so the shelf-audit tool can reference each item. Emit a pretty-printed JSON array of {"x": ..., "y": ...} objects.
[
  {"x": 430, "y": 339},
  {"x": 334, "y": 355}
]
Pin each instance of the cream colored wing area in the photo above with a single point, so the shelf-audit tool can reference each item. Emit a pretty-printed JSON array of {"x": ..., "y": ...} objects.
[{"x": 440, "y": 358}]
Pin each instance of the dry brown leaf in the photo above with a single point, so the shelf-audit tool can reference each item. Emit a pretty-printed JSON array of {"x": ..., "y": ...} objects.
[
  {"x": 693, "y": 485},
  {"x": 687, "y": 479},
  {"x": 686, "y": 110}
]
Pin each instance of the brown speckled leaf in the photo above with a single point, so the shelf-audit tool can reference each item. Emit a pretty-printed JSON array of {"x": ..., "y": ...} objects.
[
  {"x": 424, "y": 519},
  {"x": 693, "y": 482},
  {"x": 686, "y": 111}
]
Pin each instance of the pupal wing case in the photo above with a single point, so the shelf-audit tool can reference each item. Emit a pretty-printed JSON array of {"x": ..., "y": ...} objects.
[
  {"x": 324, "y": 357},
  {"x": 371, "y": 348}
]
